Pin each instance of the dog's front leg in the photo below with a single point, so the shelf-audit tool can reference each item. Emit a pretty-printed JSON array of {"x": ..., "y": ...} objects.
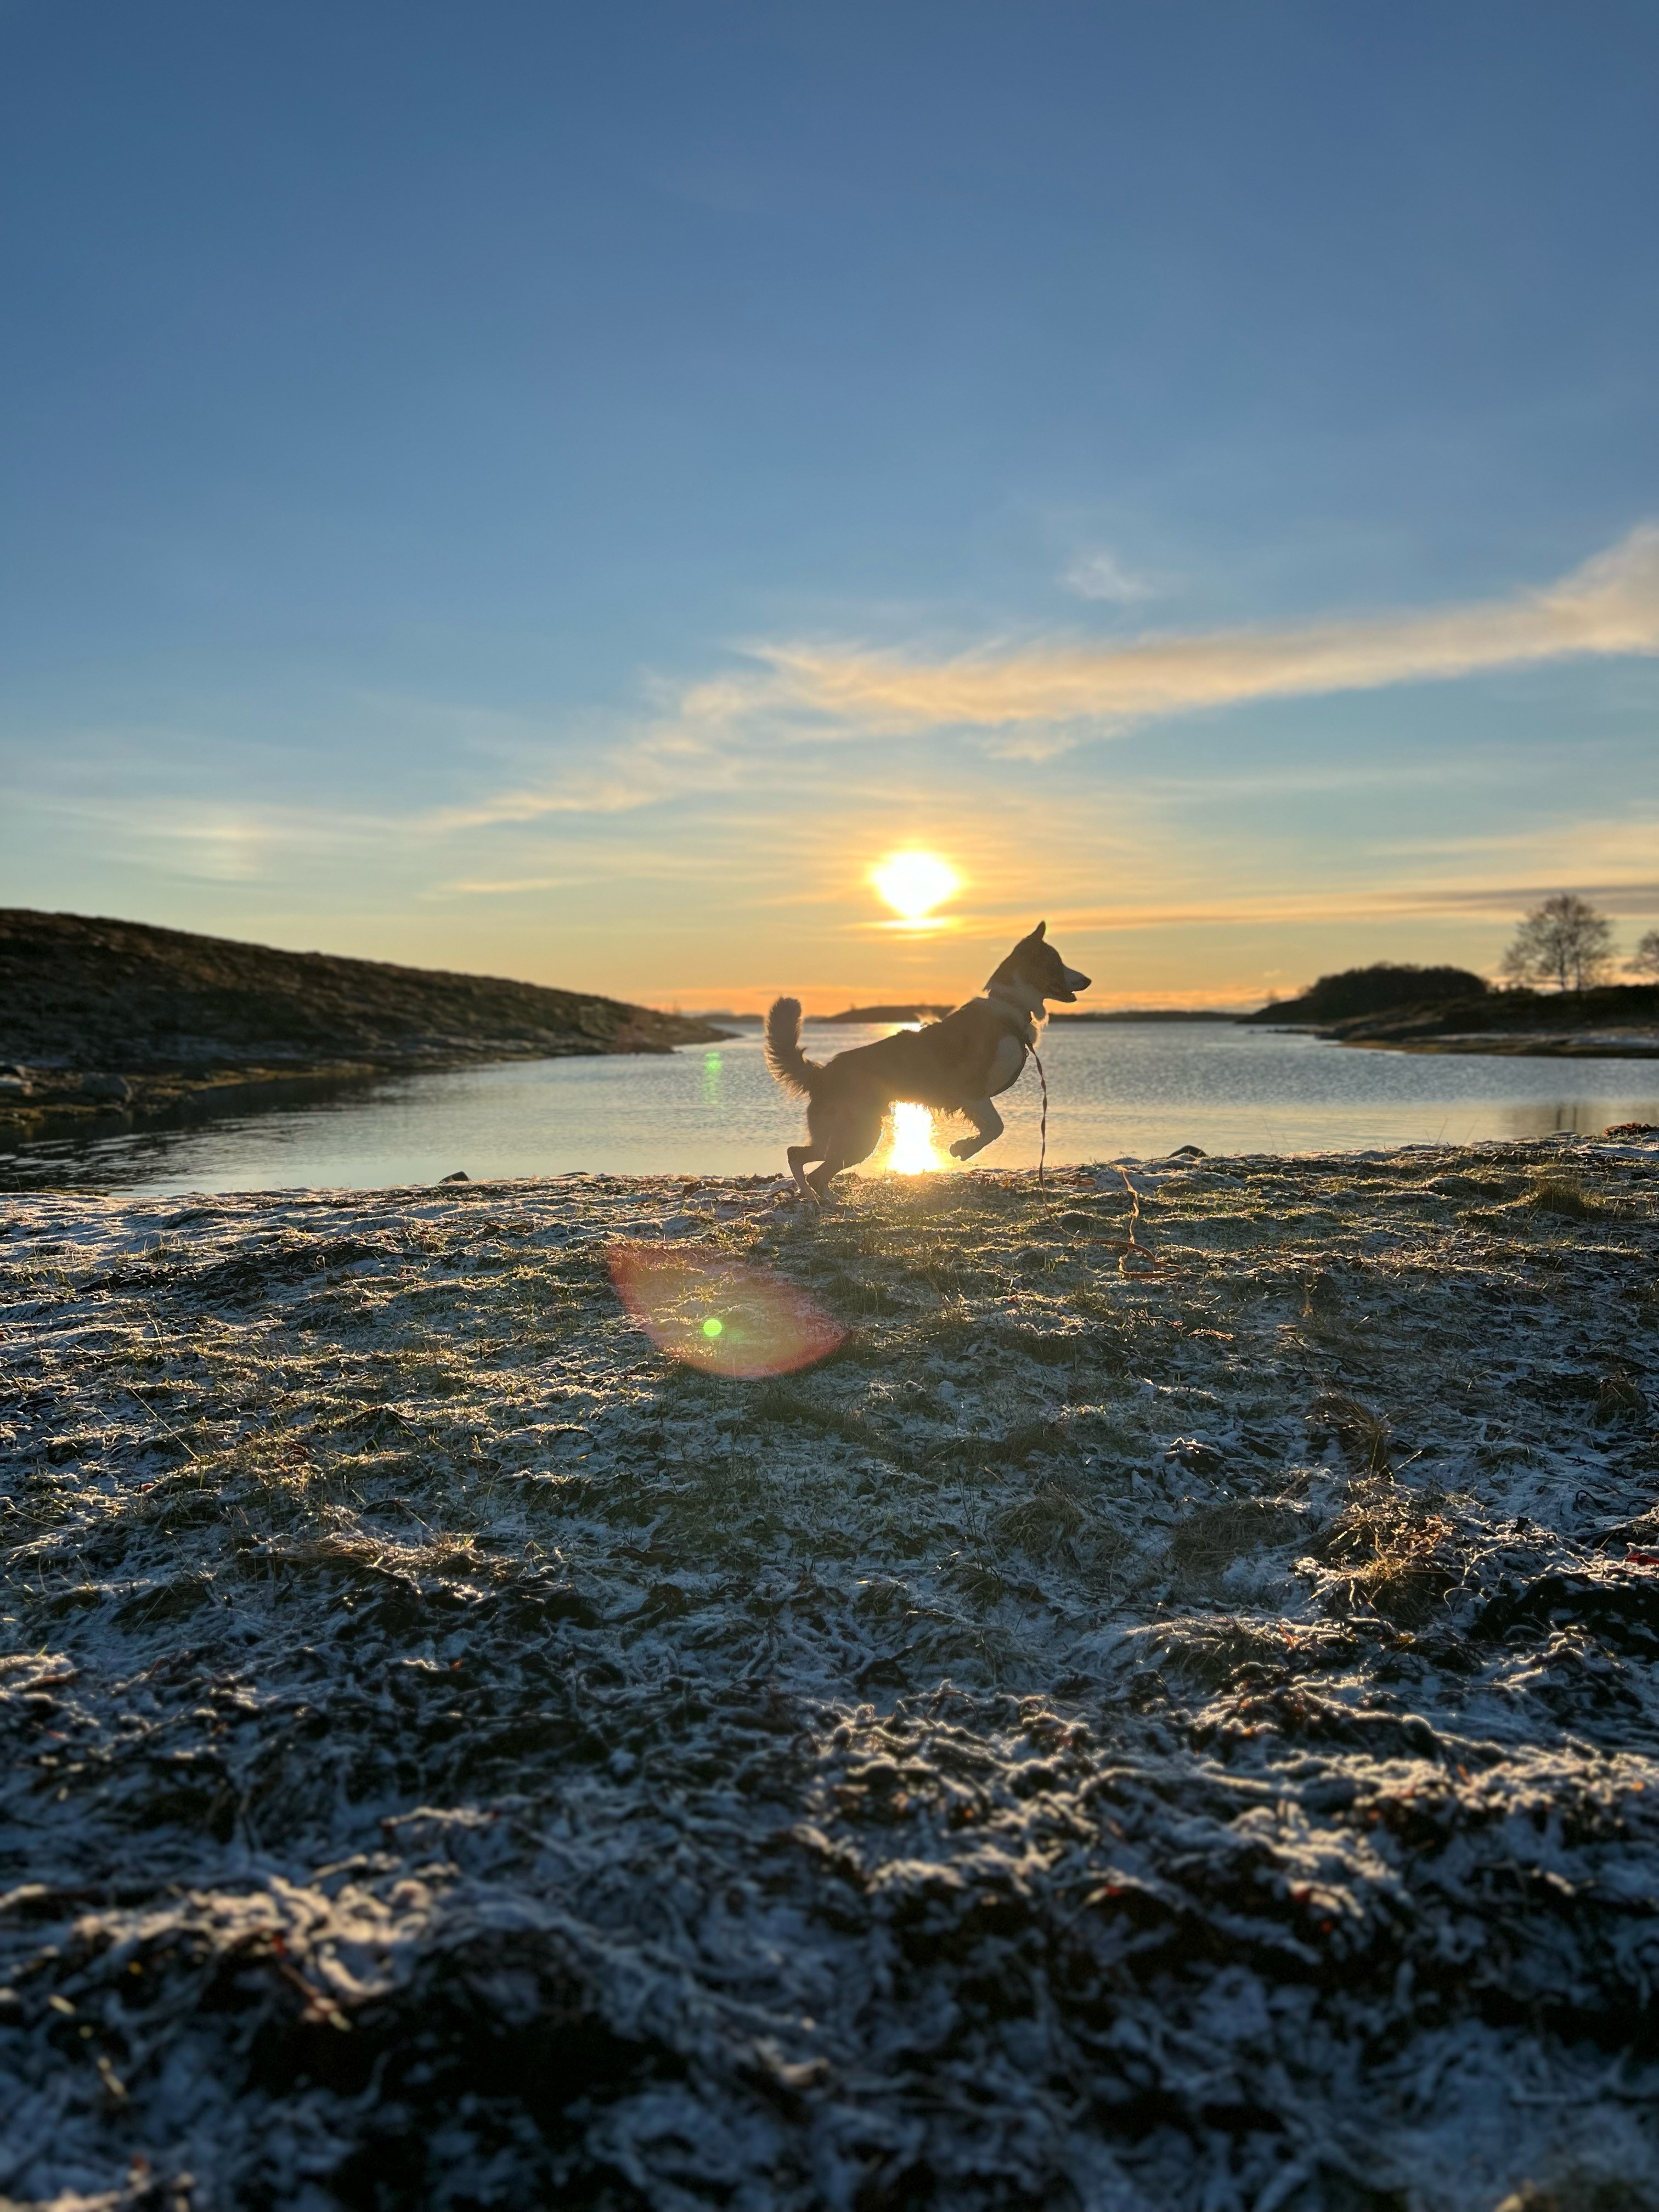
[{"x": 987, "y": 1122}]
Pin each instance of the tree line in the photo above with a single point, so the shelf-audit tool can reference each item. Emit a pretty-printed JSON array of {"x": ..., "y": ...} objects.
[{"x": 1567, "y": 943}]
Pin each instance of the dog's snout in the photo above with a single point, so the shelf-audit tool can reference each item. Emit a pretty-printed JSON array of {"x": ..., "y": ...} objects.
[{"x": 1075, "y": 981}]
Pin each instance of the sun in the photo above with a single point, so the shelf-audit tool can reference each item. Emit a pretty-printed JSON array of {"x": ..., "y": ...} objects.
[
  {"x": 912, "y": 1150},
  {"x": 913, "y": 883}
]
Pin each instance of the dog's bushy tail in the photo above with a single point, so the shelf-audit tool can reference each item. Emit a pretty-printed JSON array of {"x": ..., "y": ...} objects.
[{"x": 789, "y": 1065}]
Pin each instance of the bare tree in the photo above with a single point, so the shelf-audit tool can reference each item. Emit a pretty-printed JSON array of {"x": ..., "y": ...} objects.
[
  {"x": 1565, "y": 942},
  {"x": 1644, "y": 961}
]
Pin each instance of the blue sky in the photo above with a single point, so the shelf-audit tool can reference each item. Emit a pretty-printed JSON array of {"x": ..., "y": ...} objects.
[{"x": 562, "y": 490}]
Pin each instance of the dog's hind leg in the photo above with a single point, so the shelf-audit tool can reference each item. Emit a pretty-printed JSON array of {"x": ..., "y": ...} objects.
[
  {"x": 823, "y": 1140},
  {"x": 988, "y": 1124},
  {"x": 855, "y": 1132},
  {"x": 797, "y": 1156}
]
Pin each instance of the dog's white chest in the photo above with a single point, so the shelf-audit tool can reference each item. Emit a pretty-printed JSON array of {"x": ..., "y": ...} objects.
[{"x": 1007, "y": 1062}]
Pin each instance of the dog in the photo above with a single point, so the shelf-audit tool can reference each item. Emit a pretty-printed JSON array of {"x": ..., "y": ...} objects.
[{"x": 956, "y": 1066}]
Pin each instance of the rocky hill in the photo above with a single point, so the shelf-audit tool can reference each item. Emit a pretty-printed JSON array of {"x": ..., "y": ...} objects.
[
  {"x": 98, "y": 1012},
  {"x": 1383, "y": 988}
]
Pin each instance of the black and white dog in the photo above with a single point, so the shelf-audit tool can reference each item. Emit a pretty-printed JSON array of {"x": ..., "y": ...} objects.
[{"x": 956, "y": 1066}]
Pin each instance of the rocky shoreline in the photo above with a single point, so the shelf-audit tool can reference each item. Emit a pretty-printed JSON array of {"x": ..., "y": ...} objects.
[
  {"x": 1610, "y": 1021},
  {"x": 1163, "y": 1721},
  {"x": 1613, "y": 1021},
  {"x": 1538, "y": 1044},
  {"x": 105, "y": 1021},
  {"x": 1527, "y": 1044},
  {"x": 36, "y": 1100}
]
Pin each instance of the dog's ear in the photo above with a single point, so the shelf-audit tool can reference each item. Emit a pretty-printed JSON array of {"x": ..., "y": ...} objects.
[{"x": 1038, "y": 930}]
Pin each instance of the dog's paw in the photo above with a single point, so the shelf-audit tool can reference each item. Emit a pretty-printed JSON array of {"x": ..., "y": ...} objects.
[{"x": 965, "y": 1148}]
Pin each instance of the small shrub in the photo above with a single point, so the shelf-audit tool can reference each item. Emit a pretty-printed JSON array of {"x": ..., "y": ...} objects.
[
  {"x": 1390, "y": 1542},
  {"x": 1040, "y": 1521},
  {"x": 1362, "y": 1434},
  {"x": 1203, "y": 1546},
  {"x": 1211, "y": 1651},
  {"x": 1564, "y": 1197},
  {"x": 1024, "y": 1440},
  {"x": 1579, "y": 2193},
  {"x": 1619, "y": 1399}
]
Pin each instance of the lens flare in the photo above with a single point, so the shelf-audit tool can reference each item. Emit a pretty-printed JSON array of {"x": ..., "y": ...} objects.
[
  {"x": 913, "y": 883},
  {"x": 723, "y": 1316}
]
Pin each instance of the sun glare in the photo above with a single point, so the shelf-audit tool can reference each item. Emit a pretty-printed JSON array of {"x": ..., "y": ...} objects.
[
  {"x": 913, "y": 883},
  {"x": 912, "y": 1151}
]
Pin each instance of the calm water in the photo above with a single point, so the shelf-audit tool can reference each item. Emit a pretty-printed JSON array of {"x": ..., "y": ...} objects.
[{"x": 1128, "y": 1089}]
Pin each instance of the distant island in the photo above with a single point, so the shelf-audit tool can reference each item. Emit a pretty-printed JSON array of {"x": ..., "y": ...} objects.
[
  {"x": 906, "y": 1013},
  {"x": 928, "y": 1013},
  {"x": 1405, "y": 1009},
  {"x": 1145, "y": 1014},
  {"x": 98, "y": 1014}
]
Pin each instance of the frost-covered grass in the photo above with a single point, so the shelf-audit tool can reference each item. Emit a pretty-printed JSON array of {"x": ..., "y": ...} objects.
[{"x": 1162, "y": 1720}]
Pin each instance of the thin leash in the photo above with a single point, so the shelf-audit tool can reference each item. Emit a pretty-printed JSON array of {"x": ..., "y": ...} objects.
[{"x": 1042, "y": 1152}]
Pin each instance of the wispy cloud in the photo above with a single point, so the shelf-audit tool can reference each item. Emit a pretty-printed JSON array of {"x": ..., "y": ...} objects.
[
  {"x": 696, "y": 741},
  {"x": 1066, "y": 691},
  {"x": 772, "y": 726},
  {"x": 208, "y": 840},
  {"x": 463, "y": 888},
  {"x": 1103, "y": 576},
  {"x": 1501, "y": 902}
]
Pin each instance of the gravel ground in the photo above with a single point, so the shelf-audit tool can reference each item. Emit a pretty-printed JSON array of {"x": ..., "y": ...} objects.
[{"x": 1162, "y": 1721}]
